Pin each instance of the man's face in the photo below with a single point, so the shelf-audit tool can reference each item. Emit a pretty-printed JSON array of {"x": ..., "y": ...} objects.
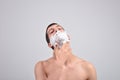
[{"x": 53, "y": 29}]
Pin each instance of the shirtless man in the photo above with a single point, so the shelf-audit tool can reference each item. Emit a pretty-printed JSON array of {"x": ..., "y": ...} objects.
[{"x": 63, "y": 65}]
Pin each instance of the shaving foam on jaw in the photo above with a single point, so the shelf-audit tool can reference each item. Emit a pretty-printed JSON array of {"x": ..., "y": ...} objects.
[{"x": 59, "y": 38}]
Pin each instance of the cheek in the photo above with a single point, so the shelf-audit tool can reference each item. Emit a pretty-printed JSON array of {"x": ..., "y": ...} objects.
[{"x": 50, "y": 35}]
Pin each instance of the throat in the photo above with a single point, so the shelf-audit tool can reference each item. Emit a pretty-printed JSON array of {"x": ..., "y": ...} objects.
[{"x": 69, "y": 60}]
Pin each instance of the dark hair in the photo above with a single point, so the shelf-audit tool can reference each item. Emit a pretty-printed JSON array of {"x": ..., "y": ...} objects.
[{"x": 46, "y": 34}]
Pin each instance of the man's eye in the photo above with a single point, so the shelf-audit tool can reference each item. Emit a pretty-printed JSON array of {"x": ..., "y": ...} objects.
[{"x": 60, "y": 28}]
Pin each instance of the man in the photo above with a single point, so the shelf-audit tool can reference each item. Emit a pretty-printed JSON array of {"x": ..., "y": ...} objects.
[{"x": 63, "y": 65}]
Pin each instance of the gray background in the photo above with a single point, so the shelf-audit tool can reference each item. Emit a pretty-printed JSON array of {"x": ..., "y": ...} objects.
[{"x": 94, "y": 27}]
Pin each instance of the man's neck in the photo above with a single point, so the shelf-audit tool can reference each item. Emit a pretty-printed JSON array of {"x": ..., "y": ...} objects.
[{"x": 68, "y": 58}]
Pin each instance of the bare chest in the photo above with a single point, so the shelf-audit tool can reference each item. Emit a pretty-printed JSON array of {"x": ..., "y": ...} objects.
[{"x": 66, "y": 73}]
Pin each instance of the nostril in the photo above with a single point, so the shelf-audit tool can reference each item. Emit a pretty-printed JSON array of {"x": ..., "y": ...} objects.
[{"x": 56, "y": 31}]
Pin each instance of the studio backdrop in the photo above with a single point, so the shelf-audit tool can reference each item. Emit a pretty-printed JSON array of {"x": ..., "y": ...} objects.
[{"x": 93, "y": 26}]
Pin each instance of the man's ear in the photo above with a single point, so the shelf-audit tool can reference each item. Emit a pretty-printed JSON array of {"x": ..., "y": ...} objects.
[
  {"x": 49, "y": 45},
  {"x": 68, "y": 37}
]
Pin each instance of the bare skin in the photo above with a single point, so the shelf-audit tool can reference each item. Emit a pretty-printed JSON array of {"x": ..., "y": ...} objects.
[{"x": 64, "y": 65}]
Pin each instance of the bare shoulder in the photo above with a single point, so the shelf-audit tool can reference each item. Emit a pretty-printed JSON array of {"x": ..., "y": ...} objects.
[
  {"x": 86, "y": 64},
  {"x": 39, "y": 70},
  {"x": 38, "y": 64},
  {"x": 38, "y": 67},
  {"x": 89, "y": 68},
  {"x": 43, "y": 63}
]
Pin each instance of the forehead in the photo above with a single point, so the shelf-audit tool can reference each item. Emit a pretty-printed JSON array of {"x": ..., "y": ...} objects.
[{"x": 53, "y": 26}]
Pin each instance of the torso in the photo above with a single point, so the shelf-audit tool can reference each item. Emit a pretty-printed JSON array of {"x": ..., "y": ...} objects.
[{"x": 73, "y": 71}]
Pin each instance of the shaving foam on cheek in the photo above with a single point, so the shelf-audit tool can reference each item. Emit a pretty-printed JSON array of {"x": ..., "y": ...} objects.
[{"x": 59, "y": 38}]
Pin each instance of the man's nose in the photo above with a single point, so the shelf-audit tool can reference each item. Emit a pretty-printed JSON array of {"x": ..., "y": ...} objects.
[{"x": 57, "y": 31}]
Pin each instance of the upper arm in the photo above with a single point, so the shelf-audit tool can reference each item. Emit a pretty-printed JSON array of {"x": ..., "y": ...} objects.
[
  {"x": 91, "y": 72},
  {"x": 39, "y": 71}
]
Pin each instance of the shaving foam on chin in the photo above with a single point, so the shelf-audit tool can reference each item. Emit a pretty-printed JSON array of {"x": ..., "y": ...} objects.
[{"x": 59, "y": 38}]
